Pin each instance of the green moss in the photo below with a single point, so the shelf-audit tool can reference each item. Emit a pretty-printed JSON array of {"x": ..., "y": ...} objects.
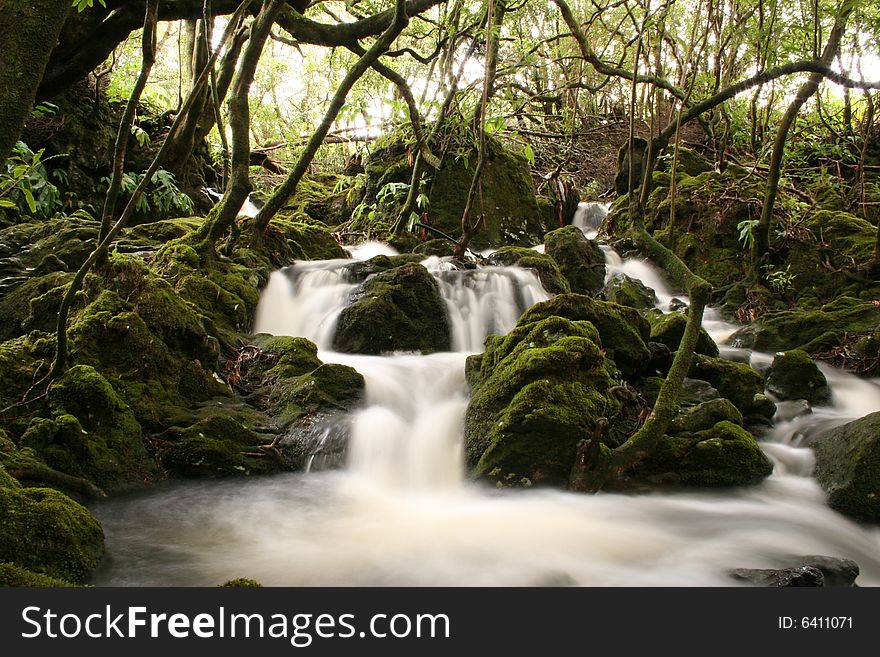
[
  {"x": 848, "y": 467},
  {"x": 540, "y": 390},
  {"x": 669, "y": 328},
  {"x": 242, "y": 582},
  {"x": 25, "y": 308},
  {"x": 438, "y": 247},
  {"x": 781, "y": 331},
  {"x": 724, "y": 455},
  {"x": 623, "y": 331},
  {"x": 543, "y": 265},
  {"x": 16, "y": 576},
  {"x": 396, "y": 310},
  {"x": 580, "y": 260},
  {"x": 705, "y": 415},
  {"x": 629, "y": 292},
  {"x": 734, "y": 381},
  {"x": 46, "y": 532},
  {"x": 794, "y": 375},
  {"x": 508, "y": 207}
]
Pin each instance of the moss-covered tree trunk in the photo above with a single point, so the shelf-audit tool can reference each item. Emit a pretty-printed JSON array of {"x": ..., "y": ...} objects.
[{"x": 29, "y": 31}]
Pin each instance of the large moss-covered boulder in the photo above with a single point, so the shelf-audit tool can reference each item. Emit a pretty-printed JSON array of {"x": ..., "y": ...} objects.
[
  {"x": 669, "y": 328},
  {"x": 396, "y": 310},
  {"x": 794, "y": 375},
  {"x": 623, "y": 331},
  {"x": 691, "y": 419},
  {"x": 580, "y": 260},
  {"x": 724, "y": 455},
  {"x": 44, "y": 531},
  {"x": 92, "y": 434},
  {"x": 815, "y": 330},
  {"x": 538, "y": 392},
  {"x": 848, "y": 467},
  {"x": 735, "y": 381},
  {"x": 508, "y": 208},
  {"x": 543, "y": 265},
  {"x": 629, "y": 292}
]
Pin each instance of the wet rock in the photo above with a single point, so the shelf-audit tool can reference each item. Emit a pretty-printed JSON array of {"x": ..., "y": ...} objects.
[
  {"x": 706, "y": 415},
  {"x": 622, "y": 330},
  {"x": 44, "y": 531},
  {"x": 789, "y": 410},
  {"x": 725, "y": 455},
  {"x": 794, "y": 375},
  {"x": 629, "y": 292},
  {"x": 737, "y": 382},
  {"x": 812, "y": 570},
  {"x": 540, "y": 390},
  {"x": 661, "y": 358},
  {"x": 669, "y": 328},
  {"x": 580, "y": 260},
  {"x": 695, "y": 391},
  {"x": 543, "y": 265},
  {"x": 396, "y": 310},
  {"x": 848, "y": 467}
]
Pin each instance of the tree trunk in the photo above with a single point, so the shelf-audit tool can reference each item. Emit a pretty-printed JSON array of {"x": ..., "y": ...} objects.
[
  {"x": 239, "y": 185},
  {"x": 148, "y": 48},
  {"x": 761, "y": 234},
  {"x": 29, "y": 31},
  {"x": 286, "y": 189}
]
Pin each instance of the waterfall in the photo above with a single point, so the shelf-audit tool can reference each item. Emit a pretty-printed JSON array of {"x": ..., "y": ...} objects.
[{"x": 402, "y": 512}]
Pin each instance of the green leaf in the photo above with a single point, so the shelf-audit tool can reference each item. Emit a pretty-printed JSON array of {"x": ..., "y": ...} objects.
[
  {"x": 529, "y": 155},
  {"x": 29, "y": 197},
  {"x": 6, "y": 203}
]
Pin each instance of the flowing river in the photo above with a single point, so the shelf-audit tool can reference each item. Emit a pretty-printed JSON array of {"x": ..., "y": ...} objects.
[{"x": 403, "y": 512}]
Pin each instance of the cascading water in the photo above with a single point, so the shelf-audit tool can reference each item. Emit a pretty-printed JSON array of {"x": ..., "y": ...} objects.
[{"x": 402, "y": 512}]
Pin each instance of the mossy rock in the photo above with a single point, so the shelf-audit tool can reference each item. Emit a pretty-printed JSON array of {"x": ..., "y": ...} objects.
[
  {"x": 359, "y": 271},
  {"x": 316, "y": 199},
  {"x": 623, "y": 331},
  {"x": 734, "y": 381},
  {"x": 437, "y": 247},
  {"x": 17, "y": 312},
  {"x": 242, "y": 583},
  {"x": 508, "y": 208},
  {"x": 92, "y": 434},
  {"x": 848, "y": 467},
  {"x": 580, "y": 260},
  {"x": 396, "y": 310},
  {"x": 629, "y": 292},
  {"x": 16, "y": 576},
  {"x": 543, "y": 265},
  {"x": 688, "y": 162},
  {"x": 669, "y": 328},
  {"x": 691, "y": 419},
  {"x": 794, "y": 375},
  {"x": 794, "y": 329},
  {"x": 540, "y": 390},
  {"x": 724, "y": 455},
  {"x": 44, "y": 531}
]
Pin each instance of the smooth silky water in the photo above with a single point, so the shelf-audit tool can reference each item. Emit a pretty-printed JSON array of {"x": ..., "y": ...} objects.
[{"x": 403, "y": 511}]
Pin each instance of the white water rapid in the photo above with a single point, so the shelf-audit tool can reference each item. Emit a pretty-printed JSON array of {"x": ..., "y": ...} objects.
[{"x": 403, "y": 513}]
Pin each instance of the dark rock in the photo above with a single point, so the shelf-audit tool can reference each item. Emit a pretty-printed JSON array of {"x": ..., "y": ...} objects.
[
  {"x": 706, "y": 415},
  {"x": 735, "y": 381},
  {"x": 661, "y": 358},
  {"x": 396, "y": 310},
  {"x": 629, "y": 292},
  {"x": 812, "y": 570},
  {"x": 794, "y": 375},
  {"x": 695, "y": 391},
  {"x": 669, "y": 328},
  {"x": 543, "y": 265},
  {"x": 724, "y": 455},
  {"x": 848, "y": 467},
  {"x": 580, "y": 260}
]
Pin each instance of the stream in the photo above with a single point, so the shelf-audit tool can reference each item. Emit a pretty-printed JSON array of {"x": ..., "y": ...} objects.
[{"x": 403, "y": 512}]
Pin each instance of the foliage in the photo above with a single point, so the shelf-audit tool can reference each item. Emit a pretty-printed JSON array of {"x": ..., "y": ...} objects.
[
  {"x": 25, "y": 184},
  {"x": 164, "y": 196}
]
